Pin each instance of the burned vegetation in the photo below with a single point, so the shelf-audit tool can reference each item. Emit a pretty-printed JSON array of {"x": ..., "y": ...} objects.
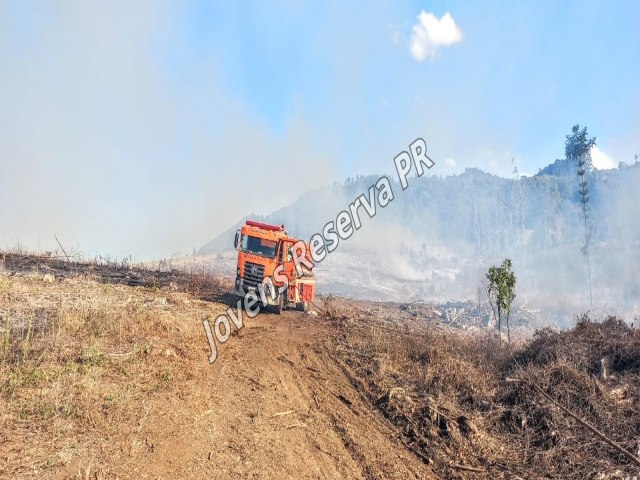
[{"x": 563, "y": 404}]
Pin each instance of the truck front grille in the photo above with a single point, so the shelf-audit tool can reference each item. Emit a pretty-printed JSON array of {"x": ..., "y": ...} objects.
[{"x": 253, "y": 274}]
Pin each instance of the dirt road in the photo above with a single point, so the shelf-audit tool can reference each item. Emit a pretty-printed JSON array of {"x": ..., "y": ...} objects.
[{"x": 274, "y": 405}]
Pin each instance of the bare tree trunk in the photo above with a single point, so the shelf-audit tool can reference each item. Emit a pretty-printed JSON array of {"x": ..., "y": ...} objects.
[{"x": 584, "y": 194}]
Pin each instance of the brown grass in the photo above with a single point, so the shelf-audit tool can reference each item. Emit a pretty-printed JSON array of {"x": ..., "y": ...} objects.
[
  {"x": 461, "y": 398},
  {"x": 81, "y": 362}
]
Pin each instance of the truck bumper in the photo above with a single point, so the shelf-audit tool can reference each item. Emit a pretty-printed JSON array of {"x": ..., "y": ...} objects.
[{"x": 241, "y": 290}]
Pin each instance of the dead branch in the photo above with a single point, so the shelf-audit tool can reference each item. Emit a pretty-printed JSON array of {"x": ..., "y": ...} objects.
[{"x": 63, "y": 251}]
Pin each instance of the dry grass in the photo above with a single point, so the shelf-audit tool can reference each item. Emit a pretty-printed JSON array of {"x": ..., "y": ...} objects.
[{"x": 81, "y": 363}]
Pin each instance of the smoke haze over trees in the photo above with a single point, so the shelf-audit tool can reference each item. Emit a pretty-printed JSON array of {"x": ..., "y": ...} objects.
[{"x": 438, "y": 236}]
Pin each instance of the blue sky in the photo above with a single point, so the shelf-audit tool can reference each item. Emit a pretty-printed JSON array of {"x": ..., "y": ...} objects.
[
  {"x": 523, "y": 74},
  {"x": 148, "y": 127}
]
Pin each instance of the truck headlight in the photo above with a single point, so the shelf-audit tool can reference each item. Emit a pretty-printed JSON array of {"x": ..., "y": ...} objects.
[{"x": 238, "y": 272}]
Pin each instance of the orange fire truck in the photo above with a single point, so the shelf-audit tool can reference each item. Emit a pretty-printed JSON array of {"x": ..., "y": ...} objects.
[{"x": 267, "y": 251}]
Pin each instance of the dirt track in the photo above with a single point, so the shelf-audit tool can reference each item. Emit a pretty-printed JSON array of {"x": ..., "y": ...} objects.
[{"x": 274, "y": 405}]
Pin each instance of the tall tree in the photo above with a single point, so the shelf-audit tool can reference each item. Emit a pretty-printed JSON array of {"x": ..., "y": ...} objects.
[{"x": 577, "y": 148}]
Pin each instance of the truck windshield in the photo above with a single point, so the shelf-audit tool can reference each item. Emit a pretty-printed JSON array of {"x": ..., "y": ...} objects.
[{"x": 259, "y": 246}]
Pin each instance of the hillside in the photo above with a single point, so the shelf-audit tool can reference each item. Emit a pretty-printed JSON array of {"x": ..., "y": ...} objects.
[
  {"x": 105, "y": 375},
  {"x": 437, "y": 237},
  {"x": 113, "y": 381}
]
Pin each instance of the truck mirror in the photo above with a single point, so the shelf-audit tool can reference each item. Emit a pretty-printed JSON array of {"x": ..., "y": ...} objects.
[{"x": 236, "y": 241}]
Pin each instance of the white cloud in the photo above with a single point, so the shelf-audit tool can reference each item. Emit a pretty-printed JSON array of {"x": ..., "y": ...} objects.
[
  {"x": 429, "y": 34},
  {"x": 450, "y": 162},
  {"x": 601, "y": 160}
]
